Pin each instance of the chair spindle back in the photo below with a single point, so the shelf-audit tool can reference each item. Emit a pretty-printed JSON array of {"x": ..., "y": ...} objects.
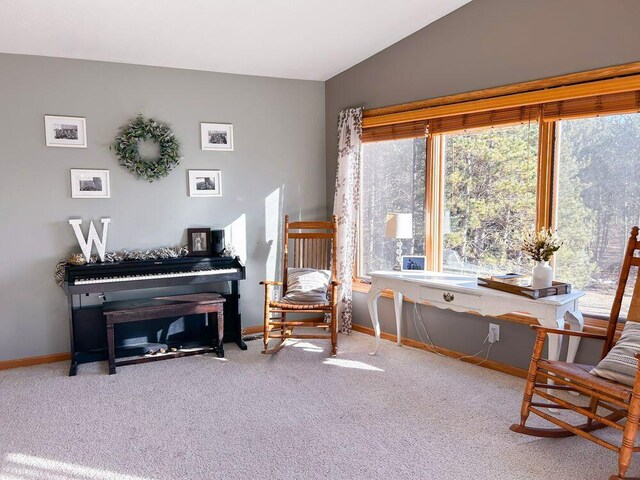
[
  {"x": 309, "y": 245},
  {"x": 630, "y": 260}
]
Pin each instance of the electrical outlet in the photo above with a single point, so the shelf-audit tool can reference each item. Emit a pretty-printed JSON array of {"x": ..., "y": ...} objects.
[{"x": 494, "y": 333}]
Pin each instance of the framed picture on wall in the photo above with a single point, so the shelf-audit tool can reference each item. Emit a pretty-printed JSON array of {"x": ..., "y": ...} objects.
[
  {"x": 205, "y": 183},
  {"x": 90, "y": 184},
  {"x": 65, "y": 131},
  {"x": 216, "y": 136},
  {"x": 414, "y": 263},
  {"x": 199, "y": 241}
]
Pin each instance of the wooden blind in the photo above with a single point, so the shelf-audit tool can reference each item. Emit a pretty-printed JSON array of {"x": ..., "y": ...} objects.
[
  {"x": 616, "y": 103},
  {"x": 395, "y": 132},
  {"x": 491, "y": 118}
]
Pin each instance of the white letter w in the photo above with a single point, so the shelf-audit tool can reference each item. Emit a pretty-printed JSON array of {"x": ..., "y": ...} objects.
[{"x": 86, "y": 245}]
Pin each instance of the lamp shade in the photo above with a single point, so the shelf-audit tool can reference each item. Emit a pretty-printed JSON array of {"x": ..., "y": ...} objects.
[{"x": 399, "y": 225}]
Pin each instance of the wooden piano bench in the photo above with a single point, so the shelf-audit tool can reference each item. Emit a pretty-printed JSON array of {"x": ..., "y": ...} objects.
[{"x": 164, "y": 307}]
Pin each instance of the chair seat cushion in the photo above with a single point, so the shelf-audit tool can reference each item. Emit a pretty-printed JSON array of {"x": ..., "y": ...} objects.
[
  {"x": 300, "y": 306},
  {"x": 580, "y": 374},
  {"x": 306, "y": 286},
  {"x": 620, "y": 364}
]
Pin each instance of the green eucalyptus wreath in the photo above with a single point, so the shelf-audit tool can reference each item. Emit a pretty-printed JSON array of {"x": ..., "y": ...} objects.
[{"x": 126, "y": 148}]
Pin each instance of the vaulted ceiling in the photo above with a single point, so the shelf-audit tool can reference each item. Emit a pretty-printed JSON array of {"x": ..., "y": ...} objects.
[{"x": 302, "y": 39}]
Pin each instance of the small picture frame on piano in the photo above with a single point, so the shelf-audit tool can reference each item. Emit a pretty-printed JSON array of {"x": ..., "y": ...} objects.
[{"x": 199, "y": 242}]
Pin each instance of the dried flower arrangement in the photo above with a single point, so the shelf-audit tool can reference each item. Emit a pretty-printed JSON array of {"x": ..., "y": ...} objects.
[{"x": 541, "y": 246}]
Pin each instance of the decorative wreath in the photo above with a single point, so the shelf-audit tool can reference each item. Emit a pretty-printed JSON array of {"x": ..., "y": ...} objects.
[{"x": 126, "y": 148}]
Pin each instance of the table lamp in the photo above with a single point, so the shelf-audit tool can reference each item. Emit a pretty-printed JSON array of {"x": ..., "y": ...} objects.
[{"x": 399, "y": 226}]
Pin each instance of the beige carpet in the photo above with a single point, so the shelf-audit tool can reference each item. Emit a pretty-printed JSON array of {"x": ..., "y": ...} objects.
[{"x": 401, "y": 414}]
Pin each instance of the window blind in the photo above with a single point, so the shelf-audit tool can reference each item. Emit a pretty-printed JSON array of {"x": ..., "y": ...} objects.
[
  {"x": 588, "y": 106},
  {"x": 491, "y": 118},
  {"x": 616, "y": 103},
  {"x": 395, "y": 132}
]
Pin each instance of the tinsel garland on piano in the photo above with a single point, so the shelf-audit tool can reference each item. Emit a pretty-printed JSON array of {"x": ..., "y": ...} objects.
[{"x": 119, "y": 256}]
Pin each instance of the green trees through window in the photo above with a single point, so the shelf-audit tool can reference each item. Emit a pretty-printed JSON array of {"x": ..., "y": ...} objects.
[
  {"x": 598, "y": 202},
  {"x": 489, "y": 199}
]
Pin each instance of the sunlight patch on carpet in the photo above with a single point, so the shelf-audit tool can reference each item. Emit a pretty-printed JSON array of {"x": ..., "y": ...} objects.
[
  {"x": 341, "y": 362},
  {"x": 306, "y": 346},
  {"x": 20, "y": 466}
]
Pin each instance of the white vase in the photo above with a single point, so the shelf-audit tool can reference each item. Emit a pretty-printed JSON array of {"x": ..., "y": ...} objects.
[{"x": 541, "y": 275}]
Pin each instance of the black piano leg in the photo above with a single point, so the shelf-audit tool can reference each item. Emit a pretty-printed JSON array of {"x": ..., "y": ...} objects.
[
  {"x": 236, "y": 295},
  {"x": 73, "y": 368},
  {"x": 220, "y": 336},
  {"x": 111, "y": 346},
  {"x": 239, "y": 341}
]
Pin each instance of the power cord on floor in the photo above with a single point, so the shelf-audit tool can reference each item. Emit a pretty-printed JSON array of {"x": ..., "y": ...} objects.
[
  {"x": 475, "y": 355},
  {"x": 418, "y": 315},
  {"x": 487, "y": 356}
]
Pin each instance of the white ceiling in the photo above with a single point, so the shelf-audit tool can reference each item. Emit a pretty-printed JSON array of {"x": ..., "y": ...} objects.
[{"x": 303, "y": 39}]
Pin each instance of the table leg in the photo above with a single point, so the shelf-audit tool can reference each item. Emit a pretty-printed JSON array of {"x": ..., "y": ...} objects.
[
  {"x": 220, "y": 320},
  {"x": 397, "y": 306},
  {"x": 111, "y": 344},
  {"x": 554, "y": 346},
  {"x": 555, "y": 341},
  {"x": 576, "y": 320},
  {"x": 372, "y": 303}
]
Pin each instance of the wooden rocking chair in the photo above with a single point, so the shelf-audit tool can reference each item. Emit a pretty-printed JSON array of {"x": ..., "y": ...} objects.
[
  {"x": 313, "y": 245},
  {"x": 621, "y": 400}
]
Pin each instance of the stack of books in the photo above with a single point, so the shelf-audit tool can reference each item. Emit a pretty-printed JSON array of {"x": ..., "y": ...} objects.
[{"x": 512, "y": 279}]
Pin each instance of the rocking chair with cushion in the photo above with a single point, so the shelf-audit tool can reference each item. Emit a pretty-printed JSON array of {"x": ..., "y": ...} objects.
[
  {"x": 308, "y": 285},
  {"x": 612, "y": 387}
]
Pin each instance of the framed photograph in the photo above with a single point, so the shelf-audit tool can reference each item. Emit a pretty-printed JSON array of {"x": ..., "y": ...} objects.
[
  {"x": 205, "y": 183},
  {"x": 65, "y": 131},
  {"x": 199, "y": 241},
  {"x": 217, "y": 136},
  {"x": 414, "y": 263},
  {"x": 90, "y": 184}
]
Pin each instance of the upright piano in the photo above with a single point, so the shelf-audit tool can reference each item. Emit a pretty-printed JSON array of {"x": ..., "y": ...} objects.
[{"x": 88, "y": 341}]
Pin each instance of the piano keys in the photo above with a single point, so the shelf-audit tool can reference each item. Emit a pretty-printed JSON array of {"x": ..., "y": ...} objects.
[
  {"x": 152, "y": 276},
  {"x": 87, "y": 343},
  {"x": 108, "y": 277}
]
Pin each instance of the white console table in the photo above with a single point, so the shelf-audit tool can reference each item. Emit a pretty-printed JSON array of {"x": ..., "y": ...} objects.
[{"x": 461, "y": 293}]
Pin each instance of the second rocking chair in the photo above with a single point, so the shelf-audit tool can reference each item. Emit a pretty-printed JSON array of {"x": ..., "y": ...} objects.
[{"x": 605, "y": 403}]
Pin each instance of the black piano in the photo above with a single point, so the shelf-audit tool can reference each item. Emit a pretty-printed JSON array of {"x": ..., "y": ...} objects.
[{"x": 88, "y": 338}]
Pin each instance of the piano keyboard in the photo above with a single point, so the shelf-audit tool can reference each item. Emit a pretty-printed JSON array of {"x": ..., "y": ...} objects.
[{"x": 154, "y": 276}]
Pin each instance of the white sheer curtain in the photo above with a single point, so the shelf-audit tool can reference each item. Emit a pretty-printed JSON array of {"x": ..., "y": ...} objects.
[{"x": 345, "y": 206}]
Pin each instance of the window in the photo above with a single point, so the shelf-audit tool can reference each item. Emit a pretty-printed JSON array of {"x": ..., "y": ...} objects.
[
  {"x": 393, "y": 181},
  {"x": 482, "y": 169},
  {"x": 489, "y": 199},
  {"x": 598, "y": 203}
]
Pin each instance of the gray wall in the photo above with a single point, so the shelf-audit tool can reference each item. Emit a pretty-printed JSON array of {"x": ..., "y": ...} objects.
[
  {"x": 486, "y": 43},
  {"x": 465, "y": 333},
  {"x": 278, "y": 167}
]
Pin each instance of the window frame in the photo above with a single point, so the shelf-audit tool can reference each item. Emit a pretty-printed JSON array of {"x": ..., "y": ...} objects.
[
  {"x": 364, "y": 279},
  {"x": 584, "y": 85}
]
